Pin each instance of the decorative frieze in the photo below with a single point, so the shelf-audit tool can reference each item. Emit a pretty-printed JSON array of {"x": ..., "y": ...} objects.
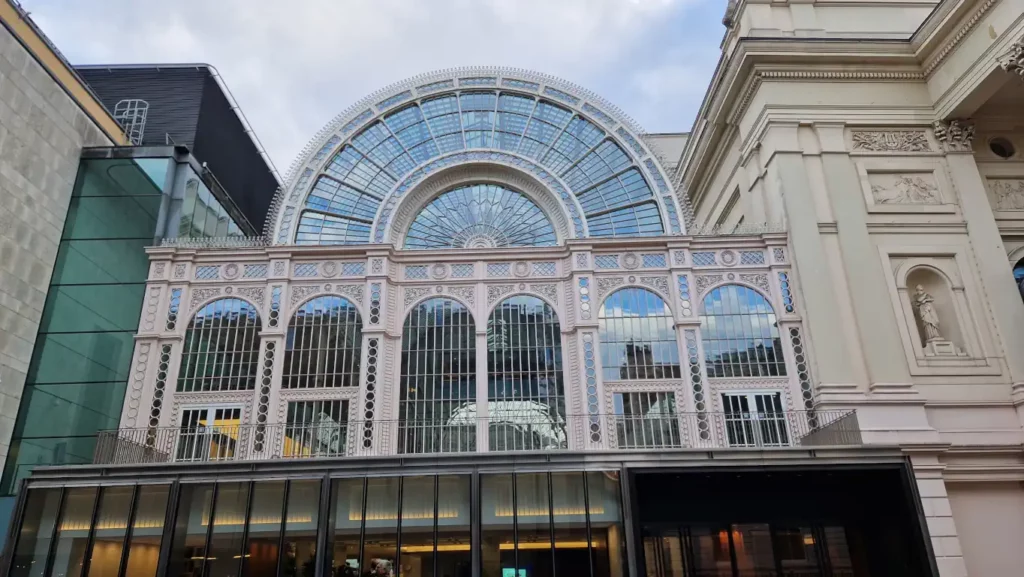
[
  {"x": 658, "y": 283},
  {"x": 607, "y": 284},
  {"x": 705, "y": 281},
  {"x": 891, "y": 141},
  {"x": 888, "y": 188},
  {"x": 414, "y": 294},
  {"x": 1013, "y": 62},
  {"x": 1006, "y": 193},
  {"x": 353, "y": 291},
  {"x": 255, "y": 294},
  {"x": 466, "y": 293},
  {"x": 758, "y": 280},
  {"x": 955, "y": 135},
  {"x": 300, "y": 293},
  {"x": 202, "y": 294},
  {"x": 495, "y": 292},
  {"x": 548, "y": 290}
]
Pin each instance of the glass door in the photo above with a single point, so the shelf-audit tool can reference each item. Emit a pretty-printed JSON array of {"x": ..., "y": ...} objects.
[
  {"x": 755, "y": 420},
  {"x": 209, "y": 434}
]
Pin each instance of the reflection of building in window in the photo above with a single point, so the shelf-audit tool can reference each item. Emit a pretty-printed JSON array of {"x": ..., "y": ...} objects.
[
  {"x": 646, "y": 420},
  {"x": 323, "y": 345},
  {"x": 740, "y": 334},
  {"x": 220, "y": 349},
  {"x": 316, "y": 428},
  {"x": 638, "y": 338}
]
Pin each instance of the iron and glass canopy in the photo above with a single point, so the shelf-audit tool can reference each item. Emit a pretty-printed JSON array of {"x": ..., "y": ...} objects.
[{"x": 351, "y": 180}]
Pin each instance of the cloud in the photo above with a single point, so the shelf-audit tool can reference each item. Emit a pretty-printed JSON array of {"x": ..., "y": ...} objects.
[{"x": 293, "y": 66}]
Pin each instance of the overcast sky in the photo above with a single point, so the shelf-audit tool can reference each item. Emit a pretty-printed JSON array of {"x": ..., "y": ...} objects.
[{"x": 292, "y": 66}]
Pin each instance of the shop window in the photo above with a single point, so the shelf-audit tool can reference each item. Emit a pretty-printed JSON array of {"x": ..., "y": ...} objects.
[
  {"x": 111, "y": 525},
  {"x": 740, "y": 334},
  {"x": 221, "y": 348},
  {"x": 265, "y": 524},
  {"x": 147, "y": 530},
  {"x": 300, "y": 528},
  {"x": 323, "y": 345},
  {"x": 72, "y": 536},
  {"x": 36, "y": 532}
]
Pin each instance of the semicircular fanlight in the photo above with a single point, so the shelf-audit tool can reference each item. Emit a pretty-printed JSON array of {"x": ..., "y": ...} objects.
[{"x": 480, "y": 216}]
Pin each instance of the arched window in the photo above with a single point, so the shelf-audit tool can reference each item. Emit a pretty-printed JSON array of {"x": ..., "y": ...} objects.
[
  {"x": 437, "y": 398},
  {"x": 221, "y": 348},
  {"x": 526, "y": 398},
  {"x": 1018, "y": 276},
  {"x": 638, "y": 337},
  {"x": 325, "y": 338},
  {"x": 740, "y": 334},
  {"x": 480, "y": 216}
]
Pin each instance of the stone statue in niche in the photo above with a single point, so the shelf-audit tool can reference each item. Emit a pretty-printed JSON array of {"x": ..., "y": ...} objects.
[{"x": 925, "y": 305}]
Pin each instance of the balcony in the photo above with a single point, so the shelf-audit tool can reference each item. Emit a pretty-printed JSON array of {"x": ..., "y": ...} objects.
[{"x": 499, "y": 433}]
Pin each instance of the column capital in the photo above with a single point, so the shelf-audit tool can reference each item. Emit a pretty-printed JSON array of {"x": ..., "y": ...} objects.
[
  {"x": 1013, "y": 61},
  {"x": 955, "y": 135}
]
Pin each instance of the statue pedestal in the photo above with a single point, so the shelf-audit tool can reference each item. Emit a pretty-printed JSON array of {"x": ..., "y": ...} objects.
[{"x": 942, "y": 348}]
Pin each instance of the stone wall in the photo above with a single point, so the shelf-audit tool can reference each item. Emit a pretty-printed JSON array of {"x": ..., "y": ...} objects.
[{"x": 42, "y": 132}]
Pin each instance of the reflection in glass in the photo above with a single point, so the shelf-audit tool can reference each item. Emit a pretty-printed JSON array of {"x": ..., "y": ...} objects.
[
  {"x": 347, "y": 515},
  {"x": 646, "y": 420},
  {"x": 300, "y": 528},
  {"x": 380, "y": 541},
  {"x": 323, "y": 345},
  {"x": 480, "y": 216},
  {"x": 638, "y": 337},
  {"x": 73, "y": 531},
  {"x": 437, "y": 411},
  {"x": 497, "y": 547},
  {"x": 454, "y": 557},
  {"x": 795, "y": 548},
  {"x": 188, "y": 547},
  {"x": 663, "y": 554},
  {"x": 36, "y": 533},
  {"x": 569, "y": 504},
  {"x": 147, "y": 530},
  {"x": 752, "y": 545},
  {"x": 417, "y": 555},
  {"x": 740, "y": 334},
  {"x": 711, "y": 551},
  {"x": 111, "y": 525},
  {"x": 224, "y": 558},
  {"x": 607, "y": 536},
  {"x": 221, "y": 348},
  {"x": 264, "y": 529},
  {"x": 533, "y": 524},
  {"x": 838, "y": 551},
  {"x": 526, "y": 398},
  {"x": 316, "y": 429}
]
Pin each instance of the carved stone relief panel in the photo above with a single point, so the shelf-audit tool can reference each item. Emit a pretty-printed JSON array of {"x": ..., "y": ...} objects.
[
  {"x": 1006, "y": 193},
  {"x": 904, "y": 188},
  {"x": 891, "y": 141}
]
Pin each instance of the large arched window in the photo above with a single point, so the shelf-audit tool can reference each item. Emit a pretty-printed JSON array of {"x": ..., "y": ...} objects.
[
  {"x": 437, "y": 397},
  {"x": 325, "y": 338},
  {"x": 638, "y": 337},
  {"x": 740, "y": 334},
  {"x": 221, "y": 348},
  {"x": 480, "y": 216},
  {"x": 526, "y": 397}
]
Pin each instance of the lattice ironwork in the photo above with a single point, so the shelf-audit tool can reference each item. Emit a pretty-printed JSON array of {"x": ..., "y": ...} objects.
[
  {"x": 638, "y": 339},
  {"x": 221, "y": 348},
  {"x": 323, "y": 345},
  {"x": 740, "y": 334}
]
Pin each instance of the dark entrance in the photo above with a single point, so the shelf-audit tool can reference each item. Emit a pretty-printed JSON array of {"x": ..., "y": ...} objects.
[{"x": 782, "y": 523}]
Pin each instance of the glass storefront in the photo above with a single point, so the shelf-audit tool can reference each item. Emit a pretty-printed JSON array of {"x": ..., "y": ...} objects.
[{"x": 530, "y": 525}]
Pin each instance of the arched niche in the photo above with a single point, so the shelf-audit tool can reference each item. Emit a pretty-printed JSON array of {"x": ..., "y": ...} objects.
[{"x": 930, "y": 292}]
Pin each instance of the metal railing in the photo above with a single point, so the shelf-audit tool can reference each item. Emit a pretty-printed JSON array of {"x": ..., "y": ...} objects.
[{"x": 497, "y": 433}]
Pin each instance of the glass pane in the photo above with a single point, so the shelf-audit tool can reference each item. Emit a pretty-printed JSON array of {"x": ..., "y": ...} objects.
[
  {"x": 93, "y": 308},
  {"x": 112, "y": 217},
  {"x": 101, "y": 262},
  {"x": 188, "y": 549},
  {"x": 417, "y": 557},
  {"x": 147, "y": 530},
  {"x": 497, "y": 547},
  {"x": 323, "y": 345},
  {"x": 300, "y": 528},
  {"x": 82, "y": 357},
  {"x": 838, "y": 552},
  {"x": 221, "y": 346},
  {"x": 36, "y": 533},
  {"x": 663, "y": 553},
  {"x": 381, "y": 536},
  {"x": 740, "y": 334},
  {"x": 454, "y": 558},
  {"x": 638, "y": 339},
  {"x": 533, "y": 518},
  {"x": 73, "y": 532},
  {"x": 224, "y": 558},
  {"x": 76, "y": 409},
  {"x": 28, "y": 453},
  {"x": 571, "y": 544},
  {"x": 264, "y": 529},
  {"x": 752, "y": 545},
  {"x": 111, "y": 526},
  {"x": 710, "y": 549},
  {"x": 607, "y": 536},
  {"x": 120, "y": 177},
  {"x": 795, "y": 548},
  {"x": 347, "y": 496}
]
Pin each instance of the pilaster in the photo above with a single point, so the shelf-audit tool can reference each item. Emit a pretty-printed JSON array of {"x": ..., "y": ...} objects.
[{"x": 938, "y": 514}]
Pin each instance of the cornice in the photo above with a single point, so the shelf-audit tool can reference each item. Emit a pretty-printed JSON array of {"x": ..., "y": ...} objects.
[{"x": 954, "y": 40}]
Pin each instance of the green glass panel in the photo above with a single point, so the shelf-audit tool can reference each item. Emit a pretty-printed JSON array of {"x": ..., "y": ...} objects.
[
  {"x": 155, "y": 169},
  {"x": 92, "y": 308},
  {"x": 113, "y": 177},
  {"x": 81, "y": 358},
  {"x": 112, "y": 217},
  {"x": 70, "y": 410},
  {"x": 101, "y": 261},
  {"x": 29, "y": 453}
]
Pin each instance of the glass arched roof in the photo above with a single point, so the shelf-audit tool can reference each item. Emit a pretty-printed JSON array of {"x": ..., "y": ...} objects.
[
  {"x": 346, "y": 185},
  {"x": 480, "y": 216}
]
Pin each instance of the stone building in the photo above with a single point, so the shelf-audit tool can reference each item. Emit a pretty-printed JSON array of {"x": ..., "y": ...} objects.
[{"x": 493, "y": 328}]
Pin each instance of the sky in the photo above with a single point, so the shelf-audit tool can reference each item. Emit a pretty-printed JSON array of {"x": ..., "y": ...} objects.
[{"x": 292, "y": 66}]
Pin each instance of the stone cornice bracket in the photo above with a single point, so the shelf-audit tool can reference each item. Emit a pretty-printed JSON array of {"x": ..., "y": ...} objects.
[
  {"x": 1013, "y": 61},
  {"x": 955, "y": 135},
  {"x": 730, "y": 13}
]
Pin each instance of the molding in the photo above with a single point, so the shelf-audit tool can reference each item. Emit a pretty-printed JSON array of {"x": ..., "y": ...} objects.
[
  {"x": 956, "y": 38},
  {"x": 955, "y": 135},
  {"x": 1013, "y": 61}
]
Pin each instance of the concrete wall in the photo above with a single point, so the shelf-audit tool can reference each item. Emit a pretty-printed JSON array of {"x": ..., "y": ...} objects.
[{"x": 42, "y": 132}]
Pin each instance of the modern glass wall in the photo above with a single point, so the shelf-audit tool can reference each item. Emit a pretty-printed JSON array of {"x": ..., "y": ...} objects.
[
  {"x": 78, "y": 374},
  {"x": 530, "y": 525}
]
